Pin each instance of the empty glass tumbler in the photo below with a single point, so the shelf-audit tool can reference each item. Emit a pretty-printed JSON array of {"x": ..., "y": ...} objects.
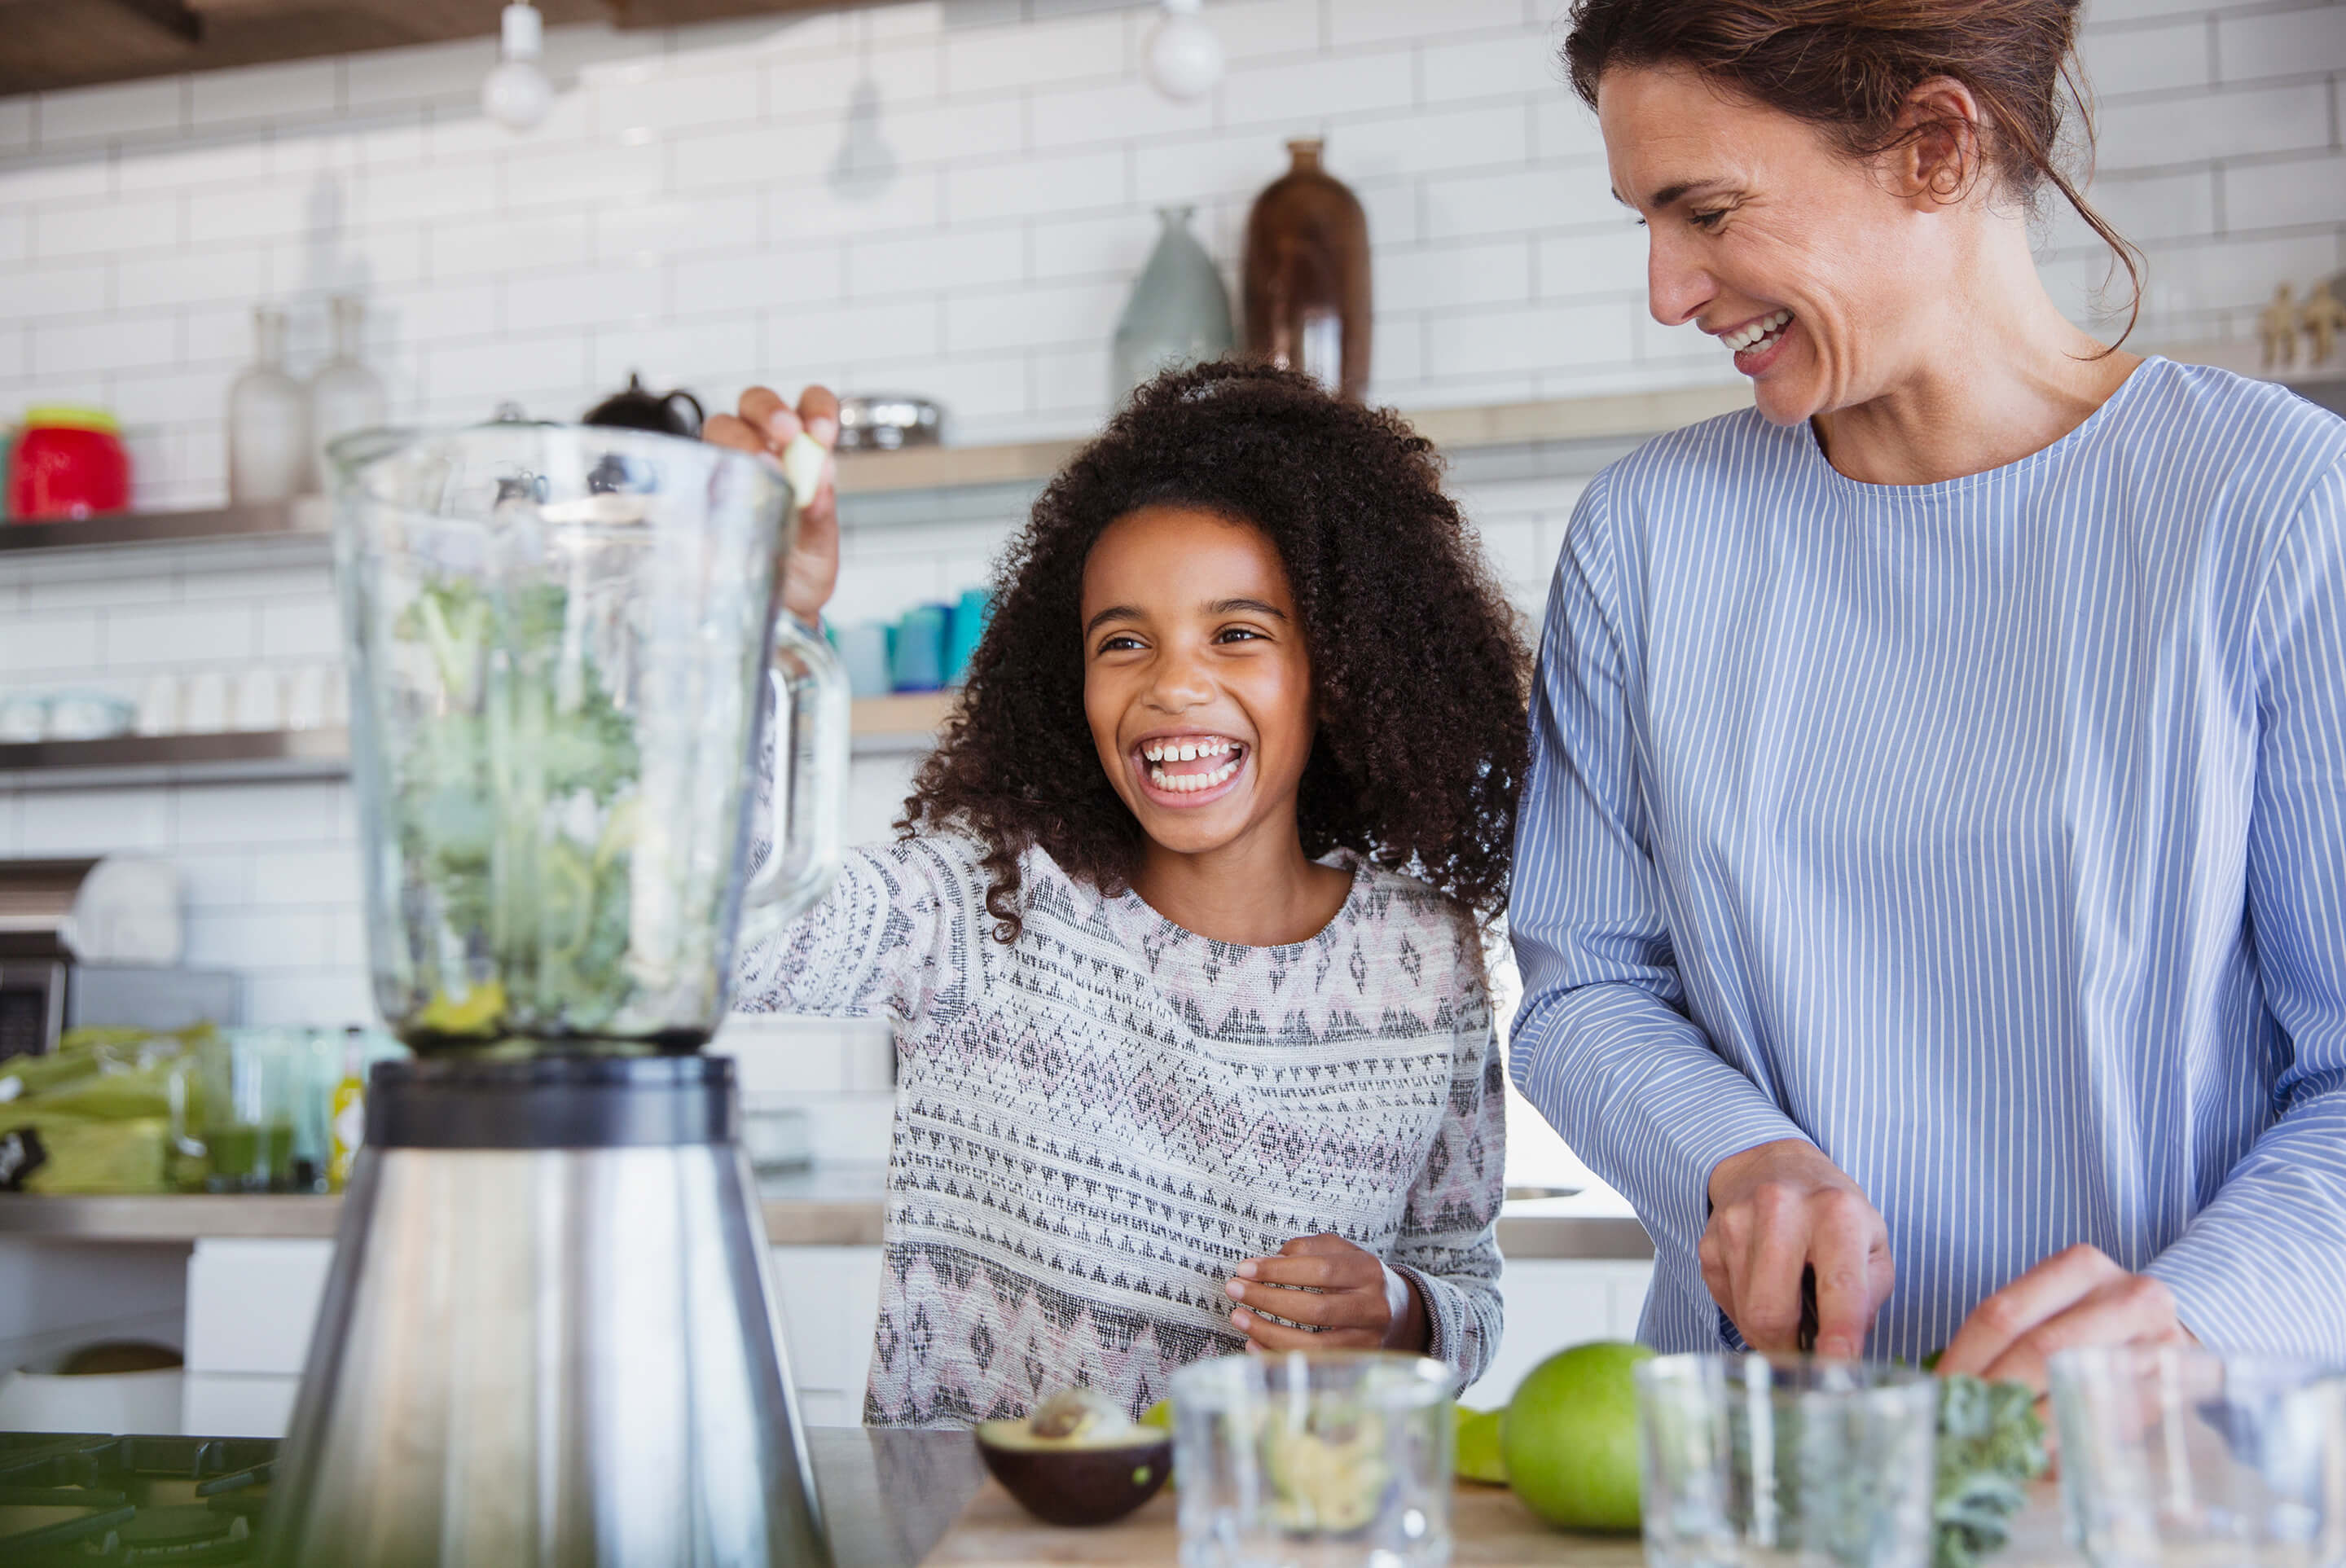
[
  {"x": 2177, "y": 1458},
  {"x": 1313, "y": 1460},
  {"x": 1752, "y": 1461}
]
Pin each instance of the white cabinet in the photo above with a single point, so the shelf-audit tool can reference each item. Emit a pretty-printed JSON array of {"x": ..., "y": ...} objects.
[
  {"x": 1555, "y": 1302},
  {"x": 831, "y": 1303}
]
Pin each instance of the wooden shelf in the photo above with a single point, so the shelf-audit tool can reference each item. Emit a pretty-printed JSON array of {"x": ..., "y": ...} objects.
[
  {"x": 944, "y": 469},
  {"x": 878, "y": 725}
]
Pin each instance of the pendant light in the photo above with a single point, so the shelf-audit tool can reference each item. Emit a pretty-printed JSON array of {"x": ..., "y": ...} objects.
[
  {"x": 516, "y": 94},
  {"x": 1185, "y": 58}
]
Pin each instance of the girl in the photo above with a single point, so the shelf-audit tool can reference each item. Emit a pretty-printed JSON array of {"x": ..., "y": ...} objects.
[{"x": 1180, "y": 939}]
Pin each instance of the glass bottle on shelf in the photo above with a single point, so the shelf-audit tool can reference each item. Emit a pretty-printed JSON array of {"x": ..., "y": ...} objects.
[
  {"x": 1178, "y": 313},
  {"x": 344, "y": 395},
  {"x": 1307, "y": 291},
  {"x": 268, "y": 421}
]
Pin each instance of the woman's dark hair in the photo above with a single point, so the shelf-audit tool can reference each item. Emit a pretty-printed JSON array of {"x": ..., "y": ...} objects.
[
  {"x": 1847, "y": 66},
  {"x": 1418, "y": 672}
]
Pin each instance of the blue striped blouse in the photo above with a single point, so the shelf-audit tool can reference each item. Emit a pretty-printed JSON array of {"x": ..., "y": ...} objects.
[{"x": 1991, "y": 834}]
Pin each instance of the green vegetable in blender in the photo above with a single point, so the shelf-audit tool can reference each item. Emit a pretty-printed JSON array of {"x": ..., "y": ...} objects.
[{"x": 515, "y": 802}]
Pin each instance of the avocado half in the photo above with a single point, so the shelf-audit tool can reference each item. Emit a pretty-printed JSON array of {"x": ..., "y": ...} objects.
[{"x": 1076, "y": 1480}]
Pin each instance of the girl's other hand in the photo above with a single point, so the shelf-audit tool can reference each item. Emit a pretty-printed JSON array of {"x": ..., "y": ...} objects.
[
  {"x": 766, "y": 425},
  {"x": 1344, "y": 1294}
]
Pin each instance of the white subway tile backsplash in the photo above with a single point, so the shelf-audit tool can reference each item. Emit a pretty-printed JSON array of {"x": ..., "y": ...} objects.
[
  {"x": 2145, "y": 133},
  {"x": 757, "y": 279},
  {"x": 1114, "y": 246},
  {"x": 1359, "y": 22},
  {"x": 692, "y": 356},
  {"x": 299, "y": 629},
  {"x": 162, "y": 397},
  {"x": 420, "y": 193},
  {"x": 446, "y": 72},
  {"x": 1295, "y": 96},
  {"x": 329, "y": 1000},
  {"x": 822, "y": 209},
  {"x": 41, "y": 293},
  {"x": 93, "y": 821},
  {"x": 1065, "y": 183},
  {"x": 1122, "y": 111},
  {"x": 603, "y": 297},
  {"x": 1544, "y": 198},
  {"x": 45, "y": 644},
  {"x": 1198, "y": 170},
  {"x": 1526, "y": 66},
  {"x": 572, "y": 174},
  {"x": 995, "y": 59},
  {"x": 293, "y": 89},
  {"x": 306, "y": 878},
  {"x": 2281, "y": 43},
  {"x": 646, "y": 231},
  {"x": 1609, "y": 261},
  {"x": 663, "y": 100},
  {"x": 412, "y": 315},
  {"x": 191, "y": 635},
  {"x": 246, "y": 160},
  {"x": 859, "y": 332},
  {"x": 1434, "y": 142},
  {"x": 1487, "y": 342},
  {"x": 1266, "y": 29},
  {"x": 16, "y": 234},
  {"x": 108, "y": 112},
  {"x": 481, "y": 374},
  {"x": 1493, "y": 272},
  {"x": 2147, "y": 59},
  {"x": 2285, "y": 194},
  {"x": 16, "y": 126},
  {"x": 530, "y": 244},
  {"x": 80, "y": 230},
  {"x": 88, "y": 347},
  {"x": 251, "y": 816},
  {"x": 935, "y": 263},
  {"x": 258, "y": 942},
  {"x": 266, "y": 211},
  {"x": 1049, "y": 317},
  {"x": 186, "y": 277}
]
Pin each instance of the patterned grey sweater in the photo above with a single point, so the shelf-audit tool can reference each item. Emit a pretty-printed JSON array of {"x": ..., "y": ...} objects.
[{"x": 1095, "y": 1123}]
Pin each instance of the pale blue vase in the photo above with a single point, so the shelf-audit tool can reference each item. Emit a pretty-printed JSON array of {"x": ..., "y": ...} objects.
[{"x": 1179, "y": 313}]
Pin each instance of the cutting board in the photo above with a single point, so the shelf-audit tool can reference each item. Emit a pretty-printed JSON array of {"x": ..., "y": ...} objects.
[{"x": 1489, "y": 1527}]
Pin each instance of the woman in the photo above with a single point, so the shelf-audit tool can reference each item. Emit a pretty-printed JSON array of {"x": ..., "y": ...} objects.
[{"x": 1932, "y": 867}]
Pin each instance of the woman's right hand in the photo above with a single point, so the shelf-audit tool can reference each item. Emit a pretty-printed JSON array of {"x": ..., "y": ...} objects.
[
  {"x": 765, "y": 423},
  {"x": 1777, "y": 1211}
]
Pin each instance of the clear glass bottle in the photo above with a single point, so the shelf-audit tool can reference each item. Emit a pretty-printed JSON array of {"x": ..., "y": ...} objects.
[
  {"x": 344, "y": 395},
  {"x": 268, "y": 421}
]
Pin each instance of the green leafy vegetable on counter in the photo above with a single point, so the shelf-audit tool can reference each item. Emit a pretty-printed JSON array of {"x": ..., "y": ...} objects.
[{"x": 1990, "y": 1446}]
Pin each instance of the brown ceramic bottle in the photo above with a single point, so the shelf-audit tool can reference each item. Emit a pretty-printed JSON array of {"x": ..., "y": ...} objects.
[{"x": 1307, "y": 275}]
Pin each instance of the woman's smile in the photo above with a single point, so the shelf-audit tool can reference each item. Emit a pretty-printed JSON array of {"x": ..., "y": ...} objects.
[{"x": 1758, "y": 341}]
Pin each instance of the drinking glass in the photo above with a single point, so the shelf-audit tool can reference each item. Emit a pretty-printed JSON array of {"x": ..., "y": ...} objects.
[
  {"x": 234, "y": 1102},
  {"x": 1313, "y": 1460},
  {"x": 1753, "y": 1460},
  {"x": 2177, "y": 1457}
]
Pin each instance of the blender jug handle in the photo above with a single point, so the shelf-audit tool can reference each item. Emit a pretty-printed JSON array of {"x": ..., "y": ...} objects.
[{"x": 808, "y": 780}]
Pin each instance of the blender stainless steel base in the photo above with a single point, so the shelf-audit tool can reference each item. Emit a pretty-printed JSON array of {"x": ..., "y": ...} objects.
[{"x": 549, "y": 1335}]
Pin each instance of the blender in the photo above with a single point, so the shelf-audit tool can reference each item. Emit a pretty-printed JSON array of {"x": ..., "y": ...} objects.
[{"x": 550, "y": 1333}]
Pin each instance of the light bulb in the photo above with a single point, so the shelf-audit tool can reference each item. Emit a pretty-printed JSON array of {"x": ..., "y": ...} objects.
[
  {"x": 516, "y": 94},
  {"x": 1185, "y": 58}
]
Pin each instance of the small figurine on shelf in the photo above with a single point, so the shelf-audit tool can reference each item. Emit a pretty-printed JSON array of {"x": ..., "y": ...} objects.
[
  {"x": 2276, "y": 329},
  {"x": 2324, "y": 319}
]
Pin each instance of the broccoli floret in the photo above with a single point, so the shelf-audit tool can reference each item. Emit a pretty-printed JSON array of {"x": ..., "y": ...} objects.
[{"x": 1990, "y": 1446}]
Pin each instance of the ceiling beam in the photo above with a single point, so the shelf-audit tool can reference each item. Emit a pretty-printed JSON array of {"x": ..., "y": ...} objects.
[{"x": 171, "y": 16}]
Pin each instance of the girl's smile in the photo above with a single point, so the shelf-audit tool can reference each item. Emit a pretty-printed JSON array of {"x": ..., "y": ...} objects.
[{"x": 1185, "y": 769}]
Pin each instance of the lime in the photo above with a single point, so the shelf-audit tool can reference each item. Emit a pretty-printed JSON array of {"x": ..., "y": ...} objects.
[
  {"x": 1478, "y": 1446},
  {"x": 1569, "y": 1437},
  {"x": 1159, "y": 1414},
  {"x": 478, "y": 1011}
]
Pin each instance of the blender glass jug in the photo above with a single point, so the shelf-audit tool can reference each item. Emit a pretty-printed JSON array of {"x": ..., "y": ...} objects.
[{"x": 570, "y": 666}]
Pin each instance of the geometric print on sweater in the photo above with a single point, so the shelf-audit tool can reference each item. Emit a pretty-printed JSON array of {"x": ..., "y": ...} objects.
[{"x": 1094, "y": 1125}]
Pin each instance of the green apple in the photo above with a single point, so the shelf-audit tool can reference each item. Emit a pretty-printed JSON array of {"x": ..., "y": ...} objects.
[
  {"x": 1569, "y": 1437},
  {"x": 1478, "y": 1446}
]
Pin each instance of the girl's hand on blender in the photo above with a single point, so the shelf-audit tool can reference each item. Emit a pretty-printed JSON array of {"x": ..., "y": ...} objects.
[{"x": 765, "y": 423}]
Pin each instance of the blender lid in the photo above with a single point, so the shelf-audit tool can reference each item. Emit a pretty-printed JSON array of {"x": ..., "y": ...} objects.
[{"x": 556, "y": 1101}]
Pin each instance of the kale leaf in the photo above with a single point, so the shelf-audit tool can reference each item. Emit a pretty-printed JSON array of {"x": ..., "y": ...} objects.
[{"x": 1990, "y": 1446}]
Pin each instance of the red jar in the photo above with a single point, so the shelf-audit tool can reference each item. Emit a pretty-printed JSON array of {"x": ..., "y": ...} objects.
[{"x": 68, "y": 463}]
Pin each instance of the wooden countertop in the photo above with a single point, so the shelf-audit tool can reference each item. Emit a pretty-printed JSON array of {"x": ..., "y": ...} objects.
[{"x": 827, "y": 1206}]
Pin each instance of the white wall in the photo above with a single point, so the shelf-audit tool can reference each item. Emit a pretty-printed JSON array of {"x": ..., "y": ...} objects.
[{"x": 934, "y": 196}]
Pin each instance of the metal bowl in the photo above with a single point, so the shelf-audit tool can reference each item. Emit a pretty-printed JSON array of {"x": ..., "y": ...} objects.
[{"x": 885, "y": 421}]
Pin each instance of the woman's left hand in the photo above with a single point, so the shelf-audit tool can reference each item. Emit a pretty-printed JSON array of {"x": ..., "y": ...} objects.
[
  {"x": 2080, "y": 1297},
  {"x": 1345, "y": 1293}
]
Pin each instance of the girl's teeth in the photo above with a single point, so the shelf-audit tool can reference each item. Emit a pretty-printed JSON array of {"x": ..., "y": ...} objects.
[{"x": 1191, "y": 783}]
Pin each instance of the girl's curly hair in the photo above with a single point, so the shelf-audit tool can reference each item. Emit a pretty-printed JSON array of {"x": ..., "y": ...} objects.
[{"x": 1419, "y": 674}]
